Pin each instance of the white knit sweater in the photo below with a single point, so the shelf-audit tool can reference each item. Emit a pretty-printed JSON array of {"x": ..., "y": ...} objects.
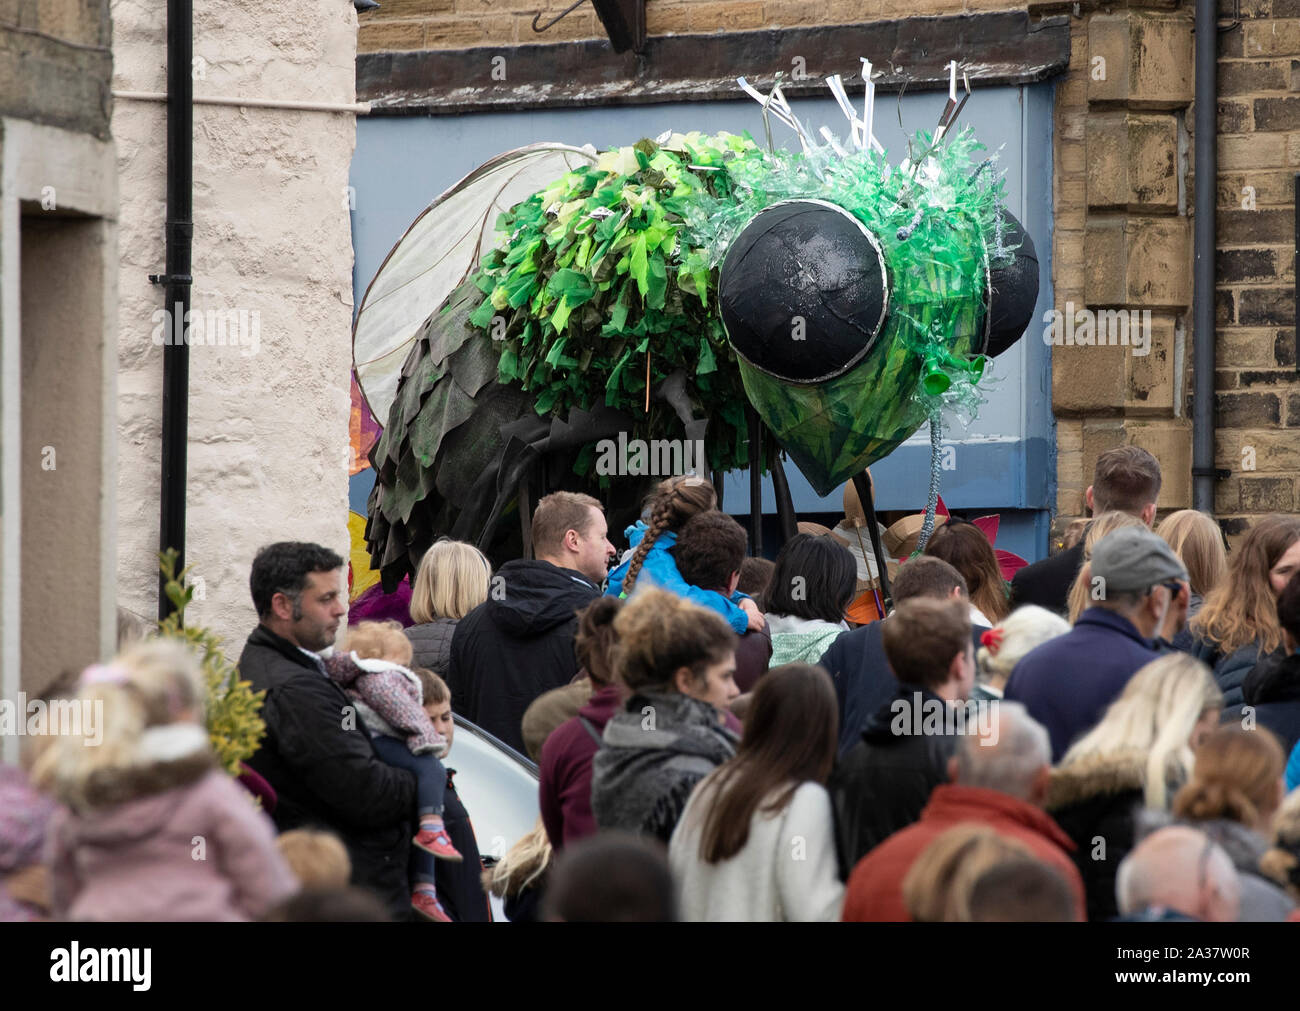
[{"x": 786, "y": 871}]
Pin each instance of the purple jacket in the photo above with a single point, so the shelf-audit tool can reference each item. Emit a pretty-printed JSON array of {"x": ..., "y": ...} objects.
[
  {"x": 24, "y": 819},
  {"x": 564, "y": 793},
  {"x": 172, "y": 839},
  {"x": 393, "y": 694}
]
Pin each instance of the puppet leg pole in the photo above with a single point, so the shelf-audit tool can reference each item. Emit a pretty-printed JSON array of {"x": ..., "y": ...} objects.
[
  {"x": 784, "y": 504},
  {"x": 932, "y": 501},
  {"x": 863, "y": 487},
  {"x": 717, "y": 487}
]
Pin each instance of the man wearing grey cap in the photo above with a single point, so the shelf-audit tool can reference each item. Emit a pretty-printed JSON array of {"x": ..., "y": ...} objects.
[{"x": 1067, "y": 682}]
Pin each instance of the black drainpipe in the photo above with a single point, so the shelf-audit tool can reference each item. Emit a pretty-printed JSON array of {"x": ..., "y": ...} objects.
[
  {"x": 177, "y": 282},
  {"x": 1203, "y": 471}
]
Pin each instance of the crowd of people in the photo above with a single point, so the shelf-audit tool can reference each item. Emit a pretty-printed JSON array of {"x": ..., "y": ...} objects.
[{"x": 1110, "y": 734}]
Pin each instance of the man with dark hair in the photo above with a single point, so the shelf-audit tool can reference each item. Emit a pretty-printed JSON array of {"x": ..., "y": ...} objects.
[
  {"x": 1126, "y": 479},
  {"x": 317, "y": 754},
  {"x": 518, "y": 644},
  {"x": 856, "y": 660},
  {"x": 884, "y": 781},
  {"x": 1067, "y": 682},
  {"x": 709, "y": 553}
]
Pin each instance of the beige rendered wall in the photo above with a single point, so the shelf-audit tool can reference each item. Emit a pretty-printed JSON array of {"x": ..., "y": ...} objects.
[
  {"x": 63, "y": 466},
  {"x": 268, "y": 418}
]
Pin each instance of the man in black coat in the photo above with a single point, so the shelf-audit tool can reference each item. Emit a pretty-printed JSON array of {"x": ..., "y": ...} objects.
[
  {"x": 856, "y": 660},
  {"x": 885, "y": 781},
  {"x": 317, "y": 753},
  {"x": 1127, "y": 479},
  {"x": 518, "y": 644}
]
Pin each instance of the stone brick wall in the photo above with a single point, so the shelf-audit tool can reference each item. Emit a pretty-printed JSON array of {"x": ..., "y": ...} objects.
[
  {"x": 457, "y": 24},
  {"x": 1122, "y": 242},
  {"x": 1259, "y": 153},
  {"x": 55, "y": 64}
]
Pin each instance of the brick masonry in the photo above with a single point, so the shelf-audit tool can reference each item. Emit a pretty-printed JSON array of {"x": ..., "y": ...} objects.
[
  {"x": 1122, "y": 190},
  {"x": 1257, "y": 403}
]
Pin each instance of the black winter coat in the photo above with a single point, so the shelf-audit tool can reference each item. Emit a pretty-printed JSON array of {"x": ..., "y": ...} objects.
[
  {"x": 1273, "y": 689},
  {"x": 460, "y": 885},
  {"x": 507, "y": 652},
  {"x": 1230, "y": 670},
  {"x": 885, "y": 780},
  {"x": 1096, "y": 801},
  {"x": 1047, "y": 583},
  {"x": 324, "y": 770},
  {"x": 431, "y": 644}
]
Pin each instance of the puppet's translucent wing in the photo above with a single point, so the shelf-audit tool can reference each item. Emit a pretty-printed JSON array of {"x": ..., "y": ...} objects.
[{"x": 437, "y": 253}]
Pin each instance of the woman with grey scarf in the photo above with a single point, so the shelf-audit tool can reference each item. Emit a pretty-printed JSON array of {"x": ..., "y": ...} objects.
[{"x": 678, "y": 662}]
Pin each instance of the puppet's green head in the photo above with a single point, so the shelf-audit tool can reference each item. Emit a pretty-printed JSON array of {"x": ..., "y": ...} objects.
[{"x": 861, "y": 297}]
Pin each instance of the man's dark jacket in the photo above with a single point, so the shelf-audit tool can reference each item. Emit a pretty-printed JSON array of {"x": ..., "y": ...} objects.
[
  {"x": 460, "y": 885},
  {"x": 507, "y": 652},
  {"x": 1273, "y": 689},
  {"x": 1067, "y": 682},
  {"x": 1047, "y": 583},
  {"x": 318, "y": 757},
  {"x": 862, "y": 677},
  {"x": 885, "y": 781}
]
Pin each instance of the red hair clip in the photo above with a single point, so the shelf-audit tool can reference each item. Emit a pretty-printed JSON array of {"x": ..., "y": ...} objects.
[{"x": 992, "y": 638}]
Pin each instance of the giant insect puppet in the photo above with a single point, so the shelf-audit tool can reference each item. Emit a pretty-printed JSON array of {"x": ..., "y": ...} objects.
[{"x": 691, "y": 288}]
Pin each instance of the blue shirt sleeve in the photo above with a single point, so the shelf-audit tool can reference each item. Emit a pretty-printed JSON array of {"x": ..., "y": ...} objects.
[{"x": 661, "y": 570}]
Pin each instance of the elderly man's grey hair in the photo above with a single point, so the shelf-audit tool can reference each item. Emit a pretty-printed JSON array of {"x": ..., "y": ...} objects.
[
  {"x": 1009, "y": 757},
  {"x": 1170, "y": 869}
]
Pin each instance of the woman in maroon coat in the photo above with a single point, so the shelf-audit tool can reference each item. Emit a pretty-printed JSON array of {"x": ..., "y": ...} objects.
[{"x": 565, "y": 767}]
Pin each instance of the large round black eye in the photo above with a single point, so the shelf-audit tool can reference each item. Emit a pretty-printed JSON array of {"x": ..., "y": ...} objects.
[
  {"x": 1013, "y": 288},
  {"x": 803, "y": 291}
]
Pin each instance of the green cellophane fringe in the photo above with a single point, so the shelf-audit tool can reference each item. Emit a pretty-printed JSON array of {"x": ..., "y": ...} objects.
[{"x": 940, "y": 229}]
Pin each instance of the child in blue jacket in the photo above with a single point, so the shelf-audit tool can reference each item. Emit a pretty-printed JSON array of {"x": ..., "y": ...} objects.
[{"x": 674, "y": 502}]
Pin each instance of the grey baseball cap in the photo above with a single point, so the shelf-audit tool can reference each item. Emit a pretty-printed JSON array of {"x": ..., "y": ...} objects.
[{"x": 1133, "y": 558}]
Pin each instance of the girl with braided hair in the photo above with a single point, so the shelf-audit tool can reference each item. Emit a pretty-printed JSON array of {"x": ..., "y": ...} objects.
[{"x": 674, "y": 502}]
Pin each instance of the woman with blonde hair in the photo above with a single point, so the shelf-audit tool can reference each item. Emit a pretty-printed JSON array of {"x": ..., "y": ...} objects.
[
  {"x": 1080, "y": 598},
  {"x": 1137, "y": 756},
  {"x": 519, "y": 878},
  {"x": 1198, "y": 542},
  {"x": 1237, "y": 626},
  {"x": 452, "y": 580},
  {"x": 1001, "y": 648},
  {"x": 1235, "y": 790},
  {"x": 140, "y": 785}
]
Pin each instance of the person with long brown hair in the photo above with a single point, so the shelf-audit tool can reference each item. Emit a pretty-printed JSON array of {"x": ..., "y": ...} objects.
[
  {"x": 1235, "y": 790},
  {"x": 756, "y": 842},
  {"x": 1238, "y": 625},
  {"x": 964, "y": 546},
  {"x": 652, "y": 562}
]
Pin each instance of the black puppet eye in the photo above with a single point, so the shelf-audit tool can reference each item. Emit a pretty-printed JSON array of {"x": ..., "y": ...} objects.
[{"x": 804, "y": 291}]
